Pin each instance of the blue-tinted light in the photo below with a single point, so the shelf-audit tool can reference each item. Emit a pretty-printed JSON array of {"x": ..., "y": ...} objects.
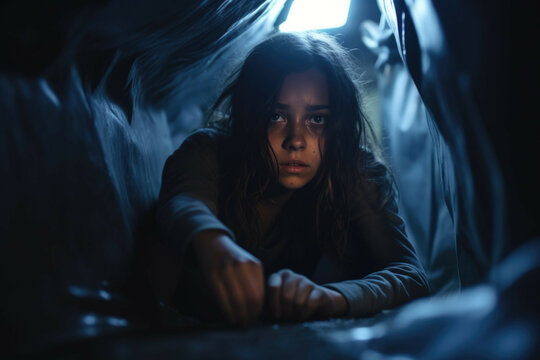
[
  {"x": 104, "y": 295},
  {"x": 316, "y": 14},
  {"x": 89, "y": 320},
  {"x": 118, "y": 322}
]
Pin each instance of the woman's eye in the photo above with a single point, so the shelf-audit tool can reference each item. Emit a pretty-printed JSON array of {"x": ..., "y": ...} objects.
[
  {"x": 318, "y": 119},
  {"x": 276, "y": 117}
]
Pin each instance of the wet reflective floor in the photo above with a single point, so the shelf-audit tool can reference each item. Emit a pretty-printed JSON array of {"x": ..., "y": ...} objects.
[{"x": 333, "y": 339}]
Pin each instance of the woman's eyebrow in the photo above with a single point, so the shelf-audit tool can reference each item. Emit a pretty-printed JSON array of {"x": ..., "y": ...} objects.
[
  {"x": 317, "y": 107},
  {"x": 282, "y": 106}
]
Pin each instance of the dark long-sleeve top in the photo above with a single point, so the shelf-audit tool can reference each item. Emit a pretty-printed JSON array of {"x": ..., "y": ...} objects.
[{"x": 377, "y": 270}]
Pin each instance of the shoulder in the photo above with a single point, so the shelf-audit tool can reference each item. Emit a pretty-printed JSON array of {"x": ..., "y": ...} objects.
[
  {"x": 203, "y": 142},
  {"x": 371, "y": 166},
  {"x": 204, "y": 137},
  {"x": 200, "y": 149},
  {"x": 195, "y": 164},
  {"x": 376, "y": 181}
]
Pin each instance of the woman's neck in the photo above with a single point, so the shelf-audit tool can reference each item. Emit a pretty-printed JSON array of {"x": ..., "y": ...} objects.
[
  {"x": 272, "y": 203},
  {"x": 276, "y": 195}
]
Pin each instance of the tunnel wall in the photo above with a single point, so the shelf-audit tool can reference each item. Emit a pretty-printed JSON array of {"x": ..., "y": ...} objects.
[{"x": 82, "y": 147}]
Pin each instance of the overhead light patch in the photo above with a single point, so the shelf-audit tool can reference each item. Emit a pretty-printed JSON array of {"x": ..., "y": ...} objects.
[{"x": 316, "y": 15}]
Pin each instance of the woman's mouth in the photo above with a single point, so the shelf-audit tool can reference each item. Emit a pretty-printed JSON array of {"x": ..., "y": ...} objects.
[{"x": 293, "y": 167}]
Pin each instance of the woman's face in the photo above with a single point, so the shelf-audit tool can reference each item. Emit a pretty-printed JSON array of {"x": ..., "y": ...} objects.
[{"x": 296, "y": 129}]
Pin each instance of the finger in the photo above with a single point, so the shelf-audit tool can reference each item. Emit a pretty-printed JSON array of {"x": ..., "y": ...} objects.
[
  {"x": 223, "y": 299},
  {"x": 288, "y": 292},
  {"x": 312, "y": 305},
  {"x": 235, "y": 295},
  {"x": 303, "y": 290},
  {"x": 274, "y": 294}
]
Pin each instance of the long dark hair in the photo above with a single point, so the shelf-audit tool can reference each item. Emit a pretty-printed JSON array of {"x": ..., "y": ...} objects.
[{"x": 248, "y": 102}]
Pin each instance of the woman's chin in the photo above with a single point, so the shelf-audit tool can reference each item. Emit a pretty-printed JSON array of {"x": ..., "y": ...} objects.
[{"x": 292, "y": 185}]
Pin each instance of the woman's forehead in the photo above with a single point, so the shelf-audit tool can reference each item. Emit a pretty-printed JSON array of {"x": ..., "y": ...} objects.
[{"x": 308, "y": 87}]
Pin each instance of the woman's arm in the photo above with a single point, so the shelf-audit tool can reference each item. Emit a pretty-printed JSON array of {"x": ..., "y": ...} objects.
[
  {"x": 188, "y": 198},
  {"x": 187, "y": 211},
  {"x": 380, "y": 248},
  {"x": 294, "y": 297}
]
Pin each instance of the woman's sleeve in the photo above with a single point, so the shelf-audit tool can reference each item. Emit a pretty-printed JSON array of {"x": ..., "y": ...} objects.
[
  {"x": 188, "y": 199},
  {"x": 381, "y": 249}
]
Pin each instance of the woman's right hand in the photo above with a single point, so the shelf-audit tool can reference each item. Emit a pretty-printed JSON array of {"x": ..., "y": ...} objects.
[{"x": 233, "y": 275}]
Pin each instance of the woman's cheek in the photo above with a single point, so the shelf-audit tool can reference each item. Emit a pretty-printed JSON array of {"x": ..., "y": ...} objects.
[{"x": 316, "y": 130}]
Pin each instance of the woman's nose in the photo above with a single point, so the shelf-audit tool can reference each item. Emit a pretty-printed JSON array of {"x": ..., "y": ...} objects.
[{"x": 294, "y": 139}]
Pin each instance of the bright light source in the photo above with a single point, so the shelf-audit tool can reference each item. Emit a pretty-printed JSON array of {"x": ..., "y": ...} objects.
[{"x": 316, "y": 14}]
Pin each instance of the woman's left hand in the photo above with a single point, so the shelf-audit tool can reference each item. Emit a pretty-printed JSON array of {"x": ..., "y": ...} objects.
[{"x": 293, "y": 297}]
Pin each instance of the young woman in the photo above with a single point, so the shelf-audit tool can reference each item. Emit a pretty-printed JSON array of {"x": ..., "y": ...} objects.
[{"x": 281, "y": 209}]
